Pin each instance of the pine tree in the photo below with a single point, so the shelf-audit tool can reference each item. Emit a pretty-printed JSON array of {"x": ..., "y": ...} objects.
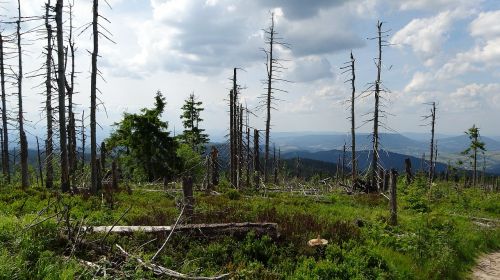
[
  {"x": 475, "y": 146},
  {"x": 193, "y": 135}
]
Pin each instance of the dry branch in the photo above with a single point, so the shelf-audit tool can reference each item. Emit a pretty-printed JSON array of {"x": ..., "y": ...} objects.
[{"x": 160, "y": 270}]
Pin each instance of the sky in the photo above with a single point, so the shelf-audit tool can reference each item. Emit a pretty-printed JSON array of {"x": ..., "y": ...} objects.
[{"x": 447, "y": 51}]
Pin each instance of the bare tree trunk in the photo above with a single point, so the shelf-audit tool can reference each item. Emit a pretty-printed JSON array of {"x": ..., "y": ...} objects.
[
  {"x": 61, "y": 84},
  {"x": 240, "y": 147},
  {"x": 5, "y": 132},
  {"x": 353, "y": 122},
  {"x": 256, "y": 158},
  {"x": 409, "y": 174},
  {"x": 248, "y": 158},
  {"x": 270, "y": 65},
  {"x": 72, "y": 161},
  {"x": 215, "y": 166},
  {"x": 103, "y": 157},
  {"x": 375, "y": 157},
  {"x": 49, "y": 146},
  {"x": 83, "y": 140},
  {"x": 431, "y": 164},
  {"x": 22, "y": 135},
  {"x": 93, "y": 98},
  {"x": 232, "y": 133},
  {"x": 394, "y": 207},
  {"x": 187, "y": 189},
  {"x": 39, "y": 161},
  {"x": 343, "y": 164}
]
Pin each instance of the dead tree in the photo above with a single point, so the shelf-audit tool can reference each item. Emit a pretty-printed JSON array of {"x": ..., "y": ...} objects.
[
  {"x": 5, "y": 132},
  {"x": 83, "y": 140},
  {"x": 377, "y": 112},
  {"x": 240, "y": 147},
  {"x": 22, "y": 135},
  {"x": 274, "y": 67},
  {"x": 432, "y": 118},
  {"x": 49, "y": 146},
  {"x": 40, "y": 172},
  {"x": 214, "y": 154},
  {"x": 187, "y": 189},
  {"x": 409, "y": 174},
  {"x": 61, "y": 86},
  {"x": 72, "y": 158},
  {"x": 375, "y": 140},
  {"x": 248, "y": 157},
  {"x": 256, "y": 158},
  {"x": 233, "y": 94},
  {"x": 103, "y": 158},
  {"x": 351, "y": 68},
  {"x": 93, "y": 98},
  {"x": 394, "y": 207}
]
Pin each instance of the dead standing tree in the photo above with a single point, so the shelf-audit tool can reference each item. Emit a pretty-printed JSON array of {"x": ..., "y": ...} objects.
[
  {"x": 378, "y": 113},
  {"x": 61, "y": 86},
  {"x": 22, "y": 135},
  {"x": 274, "y": 68},
  {"x": 72, "y": 156},
  {"x": 350, "y": 68},
  {"x": 233, "y": 95},
  {"x": 49, "y": 146},
  {"x": 94, "y": 163},
  {"x": 5, "y": 132},
  {"x": 432, "y": 118}
]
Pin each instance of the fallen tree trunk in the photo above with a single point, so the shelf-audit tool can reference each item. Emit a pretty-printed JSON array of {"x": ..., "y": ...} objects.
[{"x": 270, "y": 229}]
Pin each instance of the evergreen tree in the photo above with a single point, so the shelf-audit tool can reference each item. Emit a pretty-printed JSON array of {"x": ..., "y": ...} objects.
[
  {"x": 193, "y": 135},
  {"x": 143, "y": 143},
  {"x": 472, "y": 150}
]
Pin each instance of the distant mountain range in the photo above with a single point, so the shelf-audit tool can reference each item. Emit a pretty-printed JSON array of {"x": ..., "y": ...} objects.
[
  {"x": 388, "y": 141},
  {"x": 387, "y": 159}
]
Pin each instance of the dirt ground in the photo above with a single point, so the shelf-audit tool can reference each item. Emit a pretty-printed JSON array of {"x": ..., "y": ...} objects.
[{"x": 488, "y": 267}]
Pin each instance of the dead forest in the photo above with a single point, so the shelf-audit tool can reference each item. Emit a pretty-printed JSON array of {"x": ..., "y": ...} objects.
[{"x": 146, "y": 203}]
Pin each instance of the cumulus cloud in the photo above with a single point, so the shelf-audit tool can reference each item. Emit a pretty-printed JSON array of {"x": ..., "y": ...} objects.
[
  {"x": 204, "y": 38},
  {"x": 484, "y": 55},
  {"x": 426, "y": 35},
  {"x": 486, "y": 25},
  {"x": 419, "y": 82},
  {"x": 474, "y": 97}
]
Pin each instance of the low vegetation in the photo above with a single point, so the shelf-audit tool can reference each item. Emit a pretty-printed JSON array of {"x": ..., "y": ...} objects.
[{"x": 438, "y": 237}]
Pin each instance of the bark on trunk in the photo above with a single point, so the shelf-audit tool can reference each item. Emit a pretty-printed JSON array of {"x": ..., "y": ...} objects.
[
  {"x": 22, "y": 136},
  {"x": 61, "y": 84},
  {"x": 93, "y": 90},
  {"x": 5, "y": 132}
]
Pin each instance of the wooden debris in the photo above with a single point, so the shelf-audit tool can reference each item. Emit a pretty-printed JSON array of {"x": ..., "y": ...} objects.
[
  {"x": 270, "y": 229},
  {"x": 160, "y": 270}
]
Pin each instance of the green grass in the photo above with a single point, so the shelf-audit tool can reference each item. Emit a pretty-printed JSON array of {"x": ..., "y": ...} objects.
[{"x": 435, "y": 239}]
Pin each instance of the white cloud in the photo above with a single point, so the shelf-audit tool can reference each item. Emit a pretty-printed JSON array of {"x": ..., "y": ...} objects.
[
  {"x": 426, "y": 35},
  {"x": 420, "y": 81},
  {"x": 486, "y": 25},
  {"x": 474, "y": 97}
]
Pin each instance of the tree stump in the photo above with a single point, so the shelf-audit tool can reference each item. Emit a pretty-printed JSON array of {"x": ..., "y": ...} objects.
[
  {"x": 187, "y": 189},
  {"x": 394, "y": 207}
]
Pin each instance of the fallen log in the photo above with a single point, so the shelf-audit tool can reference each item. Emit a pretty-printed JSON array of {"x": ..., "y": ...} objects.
[{"x": 270, "y": 229}]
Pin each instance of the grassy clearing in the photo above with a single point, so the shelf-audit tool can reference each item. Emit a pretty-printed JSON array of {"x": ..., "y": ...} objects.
[{"x": 435, "y": 239}]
